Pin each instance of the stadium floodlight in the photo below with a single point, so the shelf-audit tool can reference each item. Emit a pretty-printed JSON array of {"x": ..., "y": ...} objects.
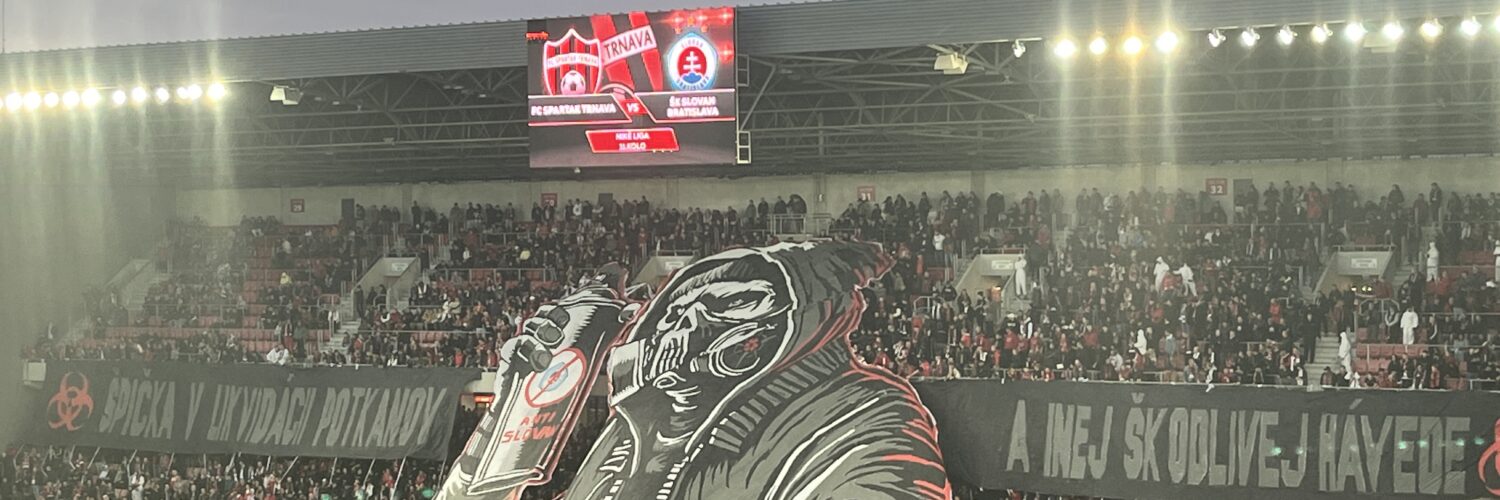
[
  {"x": 189, "y": 92},
  {"x": 1469, "y": 27},
  {"x": 70, "y": 99},
  {"x": 1216, "y": 38},
  {"x": 1393, "y": 30},
  {"x": 139, "y": 95},
  {"x": 950, "y": 64},
  {"x": 1249, "y": 37},
  {"x": 163, "y": 95},
  {"x": 1167, "y": 42},
  {"x": 1285, "y": 35},
  {"x": 1133, "y": 45},
  {"x": 118, "y": 97},
  {"x": 1319, "y": 33},
  {"x": 1431, "y": 28},
  {"x": 90, "y": 97},
  {"x": 1098, "y": 46},
  {"x": 1064, "y": 49},
  {"x": 217, "y": 91},
  {"x": 13, "y": 101},
  {"x": 1355, "y": 32},
  {"x": 51, "y": 99},
  {"x": 33, "y": 100}
]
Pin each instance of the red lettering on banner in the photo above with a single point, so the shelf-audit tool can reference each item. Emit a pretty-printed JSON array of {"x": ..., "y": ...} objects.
[{"x": 639, "y": 140}]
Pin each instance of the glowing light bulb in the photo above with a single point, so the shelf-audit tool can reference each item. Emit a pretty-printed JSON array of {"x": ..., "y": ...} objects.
[
  {"x": 1167, "y": 42},
  {"x": 1355, "y": 32},
  {"x": 1098, "y": 46},
  {"x": 1393, "y": 31},
  {"x": 1319, "y": 33},
  {"x": 1065, "y": 49}
]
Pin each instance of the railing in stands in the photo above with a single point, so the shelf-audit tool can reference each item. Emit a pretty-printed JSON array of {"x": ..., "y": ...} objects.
[{"x": 535, "y": 274}]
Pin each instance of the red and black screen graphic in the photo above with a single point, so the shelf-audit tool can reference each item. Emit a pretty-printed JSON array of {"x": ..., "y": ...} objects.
[{"x": 635, "y": 89}]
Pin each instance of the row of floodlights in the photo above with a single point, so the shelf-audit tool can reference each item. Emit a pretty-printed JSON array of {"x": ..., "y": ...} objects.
[
  {"x": 1249, "y": 37},
  {"x": 18, "y": 101}
]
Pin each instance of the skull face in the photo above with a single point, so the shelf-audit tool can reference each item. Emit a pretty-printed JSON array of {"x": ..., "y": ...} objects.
[{"x": 716, "y": 325}]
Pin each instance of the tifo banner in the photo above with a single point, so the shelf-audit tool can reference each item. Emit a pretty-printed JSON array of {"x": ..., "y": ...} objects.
[
  {"x": 737, "y": 380},
  {"x": 254, "y": 409},
  {"x": 1225, "y": 442}
]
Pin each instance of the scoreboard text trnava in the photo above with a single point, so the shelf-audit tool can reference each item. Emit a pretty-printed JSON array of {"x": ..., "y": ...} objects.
[{"x": 633, "y": 89}]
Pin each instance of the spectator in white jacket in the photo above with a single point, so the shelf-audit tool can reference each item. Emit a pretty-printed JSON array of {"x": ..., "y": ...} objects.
[
  {"x": 1409, "y": 321},
  {"x": 278, "y": 355}
]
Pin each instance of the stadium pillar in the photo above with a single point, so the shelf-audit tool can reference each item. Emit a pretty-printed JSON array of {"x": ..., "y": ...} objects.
[
  {"x": 819, "y": 196},
  {"x": 406, "y": 199}
]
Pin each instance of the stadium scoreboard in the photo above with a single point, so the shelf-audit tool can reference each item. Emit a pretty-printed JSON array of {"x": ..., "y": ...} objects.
[{"x": 633, "y": 89}]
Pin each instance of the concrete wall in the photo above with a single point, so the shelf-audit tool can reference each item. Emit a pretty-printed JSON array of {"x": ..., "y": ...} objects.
[{"x": 830, "y": 193}]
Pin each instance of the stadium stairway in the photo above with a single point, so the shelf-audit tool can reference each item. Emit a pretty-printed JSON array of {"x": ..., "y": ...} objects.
[
  {"x": 1326, "y": 355},
  {"x": 133, "y": 292},
  {"x": 350, "y": 323}
]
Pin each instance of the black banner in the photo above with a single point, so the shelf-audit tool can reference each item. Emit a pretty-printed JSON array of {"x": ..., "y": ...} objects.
[
  {"x": 256, "y": 409},
  {"x": 1225, "y": 442}
]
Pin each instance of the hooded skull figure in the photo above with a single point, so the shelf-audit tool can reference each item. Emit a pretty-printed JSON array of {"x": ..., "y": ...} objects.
[{"x": 737, "y": 381}]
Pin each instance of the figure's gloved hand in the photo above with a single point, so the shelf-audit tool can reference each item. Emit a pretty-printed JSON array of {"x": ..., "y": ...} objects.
[{"x": 545, "y": 374}]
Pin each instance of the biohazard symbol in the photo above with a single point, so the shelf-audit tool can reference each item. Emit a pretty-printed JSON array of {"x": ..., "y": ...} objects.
[
  {"x": 71, "y": 403},
  {"x": 1489, "y": 464}
]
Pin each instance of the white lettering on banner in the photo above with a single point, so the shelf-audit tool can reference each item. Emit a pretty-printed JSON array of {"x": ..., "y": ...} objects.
[
  {"x": 573, "y": 109},
  {"x": 139, "y": 408},
  {"x": 627, "y": 44},
  {"x": 571, "y": 58},
  {"x": 1069, "y": 451},
  {"x": 193, "y": 413},
  {"x": 1019, "y": 445},
  {"x": 699, "y": 106},
  {"x": 1425, "y": 454}
]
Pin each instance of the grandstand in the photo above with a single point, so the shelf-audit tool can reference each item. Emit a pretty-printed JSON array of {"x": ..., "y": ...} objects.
[{"x": 1258, "y": 208}]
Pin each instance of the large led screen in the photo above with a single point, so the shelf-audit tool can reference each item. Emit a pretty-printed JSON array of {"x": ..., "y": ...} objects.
[{"x": 633, "y": 89}]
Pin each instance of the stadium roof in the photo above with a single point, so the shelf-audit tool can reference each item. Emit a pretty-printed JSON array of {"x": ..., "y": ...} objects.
[{"x": 763, "y": 30}]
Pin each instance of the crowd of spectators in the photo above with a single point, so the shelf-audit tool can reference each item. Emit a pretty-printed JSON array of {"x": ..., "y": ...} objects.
[
  {"x": 89, "y": 474},
  {"x": 1107, "y": 304},
  {"x": 1145, "y": 286},
  {"x": 581, "y": 235},
  {"x": 207, "y": 347}
]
